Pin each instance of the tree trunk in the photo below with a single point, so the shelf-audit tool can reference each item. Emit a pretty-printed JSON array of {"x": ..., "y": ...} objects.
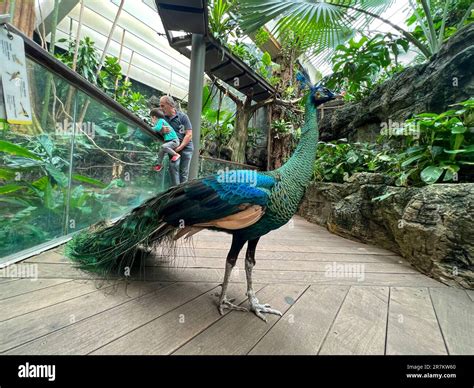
[
  {"x": 281, "y": 145},
  {"x": 24, "y": 15},
  {"x": 238, "y": 141}
]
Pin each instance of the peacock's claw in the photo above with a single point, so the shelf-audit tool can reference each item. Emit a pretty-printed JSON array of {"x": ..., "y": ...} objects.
[
  {"x": 261, "y": 308},
  {"x": 227, "y": 303}
]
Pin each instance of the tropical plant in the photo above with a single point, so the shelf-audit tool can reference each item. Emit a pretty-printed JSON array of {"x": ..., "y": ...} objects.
[
  {"x": 217, "y": 125},
  {"x": 252, "y": 56},
  {"x": 441, "y": 149},
  {"x": 109, "y": 78},
  {"x": 359, "y": 65},
  {"x": 222, "y": 21},
  {"x": 87, "y": 58},
  {"x": 282, "y": 127},
  {"x": 436, "y": 20},
  {"x": 325, "y": 24},
  {"x": 35, "y": 191},
  {"x": 337, "y": 161},
  {"x": 261, "y": 37}
]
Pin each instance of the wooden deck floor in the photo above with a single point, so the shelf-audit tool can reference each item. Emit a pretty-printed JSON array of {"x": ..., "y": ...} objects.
[{"x": 380, "y": 306}]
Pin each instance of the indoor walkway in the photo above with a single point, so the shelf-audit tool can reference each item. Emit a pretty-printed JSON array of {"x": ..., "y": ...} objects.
[{"x": 337, "y": 297}]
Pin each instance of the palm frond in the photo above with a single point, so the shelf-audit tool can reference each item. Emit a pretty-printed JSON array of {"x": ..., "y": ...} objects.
[{"x": 320, "y": 24}]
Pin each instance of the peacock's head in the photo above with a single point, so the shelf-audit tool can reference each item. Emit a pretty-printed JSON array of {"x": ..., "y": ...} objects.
[{"x": 319, "y": 94}]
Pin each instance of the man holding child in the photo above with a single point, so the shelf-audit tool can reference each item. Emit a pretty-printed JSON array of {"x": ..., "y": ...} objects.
[{"x": 180, "y": 123}]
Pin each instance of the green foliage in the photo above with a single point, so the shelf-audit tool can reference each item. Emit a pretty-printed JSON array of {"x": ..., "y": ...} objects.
[
  {"x": 446, "y": 17},
  {"x": 217, "y": 125},
  {"x": 317, "y": 24},
  {"x": 337, "y": 161},
  {"x": 242, "y": 50},
  {"x": 110, "y": 78},
  {"x": 359, "y": 65},
  {"x": 439, "y": 148},
  {"x": 282, "y": 127},
  {"x": 35, "y": 191},
  {"x": 442, "y": 149},
  {"x": 321, "y": 25},
  {"x": 87, "y": 58},
  {"x": 222, "y": 21},
  {"x": 261, "y": 37}
]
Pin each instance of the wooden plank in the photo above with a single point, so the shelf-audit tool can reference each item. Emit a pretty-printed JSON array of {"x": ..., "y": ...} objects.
[
  {"x": 215, "y": 275},
  {"x": 219, "y": 256},
  {"x": 305, "y": 325},
  {"x": 282, "y": 238},
  {"x": 287, "y": 265},
  {"x": 455, "y": 313},
  {"x": 335, "y": 247},
  {"x": 22, "y": 304},
  {"x": 94, "y": 332},
  {"x": 360, "y": 325},
  {"x": 52, "y": 256},
  {"x": 268, "y": 276},
  {"x": 412, "y": 325},
  {"x": 237, "y": 333},
  {"x": 64, "y": 271},
  {"x": 170, "y": 331},
  {"x": 19, "y": 330},
  {"x": 470, "y": 293},
  {"x": 6, "y": 280},
  {"x": 23, "y": 286},
  {"x": 221, "y": 253}
]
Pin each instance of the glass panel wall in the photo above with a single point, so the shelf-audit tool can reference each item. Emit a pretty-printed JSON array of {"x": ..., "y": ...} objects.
[{"x": 78, "y": 163}]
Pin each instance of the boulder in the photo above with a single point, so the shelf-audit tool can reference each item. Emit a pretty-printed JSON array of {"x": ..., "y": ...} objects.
[
  {"x": 447, "y": 78},
  {"x": 432, "y": 227}
]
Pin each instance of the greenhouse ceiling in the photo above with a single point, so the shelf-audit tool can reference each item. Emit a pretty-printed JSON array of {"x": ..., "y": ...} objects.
[{"x": 154, "y": 62}]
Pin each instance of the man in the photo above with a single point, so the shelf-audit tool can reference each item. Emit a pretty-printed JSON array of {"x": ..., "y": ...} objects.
[{"x": 179, "y": 170}]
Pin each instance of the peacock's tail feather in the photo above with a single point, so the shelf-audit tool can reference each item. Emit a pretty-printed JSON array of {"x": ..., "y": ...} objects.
[{"x": 108, "y": 247}]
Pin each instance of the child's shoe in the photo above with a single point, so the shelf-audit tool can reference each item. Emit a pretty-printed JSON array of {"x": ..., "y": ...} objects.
[
  {"x": 158, "y": 167},
  {"x": 175, "y": 158}
]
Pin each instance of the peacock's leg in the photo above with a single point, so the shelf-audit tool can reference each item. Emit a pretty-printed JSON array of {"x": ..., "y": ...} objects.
[
  {"x": 258, "y": 308},
  {"x": 235, "y": 249}
]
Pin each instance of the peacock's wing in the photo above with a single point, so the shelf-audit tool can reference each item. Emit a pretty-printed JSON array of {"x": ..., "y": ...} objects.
[{"x": 229, "y": 200}]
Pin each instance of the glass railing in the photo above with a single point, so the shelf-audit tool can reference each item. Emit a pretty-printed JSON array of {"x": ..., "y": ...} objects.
[{"x": 80, "y": 161}]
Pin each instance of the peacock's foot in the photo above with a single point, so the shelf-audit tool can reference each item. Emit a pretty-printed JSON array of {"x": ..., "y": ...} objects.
[
  {"x": 261, "y": 308},
  {"x": 227, "y": 304}
]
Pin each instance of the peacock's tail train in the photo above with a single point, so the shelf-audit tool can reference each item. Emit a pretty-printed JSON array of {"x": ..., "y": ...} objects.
[{"x": 108, "y": 247}]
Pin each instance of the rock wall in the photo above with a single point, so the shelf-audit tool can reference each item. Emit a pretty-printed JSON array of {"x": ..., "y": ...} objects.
[
  {"x": 448, "y": 77},
  {"x": 432, "y": 227}
]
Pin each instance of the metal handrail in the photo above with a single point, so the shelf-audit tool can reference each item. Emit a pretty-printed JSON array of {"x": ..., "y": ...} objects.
[{"x": 228, "y": 162}]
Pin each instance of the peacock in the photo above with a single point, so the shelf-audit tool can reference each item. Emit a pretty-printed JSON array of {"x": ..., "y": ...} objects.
[{"x": 245, "y": 203}]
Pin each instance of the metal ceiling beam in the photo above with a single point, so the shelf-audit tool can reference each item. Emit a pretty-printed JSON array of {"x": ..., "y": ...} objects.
[
  {"x": 65, "y": 6},
  {"x": 180, "y": 15}
]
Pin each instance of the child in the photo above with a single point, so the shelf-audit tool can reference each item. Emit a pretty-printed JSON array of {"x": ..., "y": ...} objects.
[{"x": 171, "y": 138}]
